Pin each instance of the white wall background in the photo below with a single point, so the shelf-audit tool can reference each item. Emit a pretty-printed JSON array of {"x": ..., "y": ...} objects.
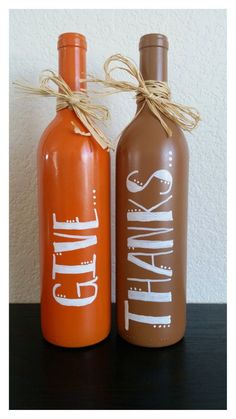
[{"x": 197, "y": 77}]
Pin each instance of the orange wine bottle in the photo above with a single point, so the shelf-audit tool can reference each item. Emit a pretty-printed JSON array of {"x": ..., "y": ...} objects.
[
  {"x": 151, "y": 218},
  {"x": 74, "y": 216}
]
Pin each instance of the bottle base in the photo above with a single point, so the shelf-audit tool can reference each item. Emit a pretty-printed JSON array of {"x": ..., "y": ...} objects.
[
  {"x": 75, "y": 345},
  {"x": 161, "y": 344}
]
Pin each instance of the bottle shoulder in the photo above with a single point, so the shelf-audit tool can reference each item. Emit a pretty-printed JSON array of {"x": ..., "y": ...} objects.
[
  {"x": 146, "y": 133},
  {"x": 60, "y": 136}
]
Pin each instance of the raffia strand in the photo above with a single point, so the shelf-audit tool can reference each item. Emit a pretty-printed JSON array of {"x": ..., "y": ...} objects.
[
  {"x": 86, "y": 111},
  {"x": 155, "y": 94}
]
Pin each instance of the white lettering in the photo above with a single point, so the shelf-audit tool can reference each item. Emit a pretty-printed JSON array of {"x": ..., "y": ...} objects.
[
  {"x": 84, "y": 267},
  {"x": 147, "y": 239}
]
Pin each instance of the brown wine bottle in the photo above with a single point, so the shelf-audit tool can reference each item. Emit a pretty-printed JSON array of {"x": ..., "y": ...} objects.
[{"x": 151, "y": 219}]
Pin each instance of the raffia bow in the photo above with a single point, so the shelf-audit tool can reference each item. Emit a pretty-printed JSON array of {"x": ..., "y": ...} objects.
[
  {"x": 86, "y": 111},
  {"x": 155, "y": 94}
]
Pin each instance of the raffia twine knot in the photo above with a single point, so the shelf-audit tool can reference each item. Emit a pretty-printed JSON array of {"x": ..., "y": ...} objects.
[
  {"x": 155, "y": 94},
  {"x": 86, "y": 111}
]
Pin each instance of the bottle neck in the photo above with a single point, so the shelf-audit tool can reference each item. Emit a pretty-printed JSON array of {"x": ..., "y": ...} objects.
[
  {"x": 153, "y": 66},
  {"x": 153, "y": 63},
  {"x": 72, "y": 66}
]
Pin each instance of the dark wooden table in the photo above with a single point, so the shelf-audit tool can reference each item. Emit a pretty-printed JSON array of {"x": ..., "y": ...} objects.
[{"x": 115, "y": 374}]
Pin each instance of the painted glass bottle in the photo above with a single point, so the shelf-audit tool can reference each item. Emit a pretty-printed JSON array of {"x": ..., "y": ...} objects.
[
  {"x": 74, "y": 215},
  {"x": 151, "y": 219}
]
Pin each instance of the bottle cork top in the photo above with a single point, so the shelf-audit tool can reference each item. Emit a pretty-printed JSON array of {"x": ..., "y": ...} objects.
[
  {"x": 153, "y": 40},
  {"x": 72, "y": 39}
]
